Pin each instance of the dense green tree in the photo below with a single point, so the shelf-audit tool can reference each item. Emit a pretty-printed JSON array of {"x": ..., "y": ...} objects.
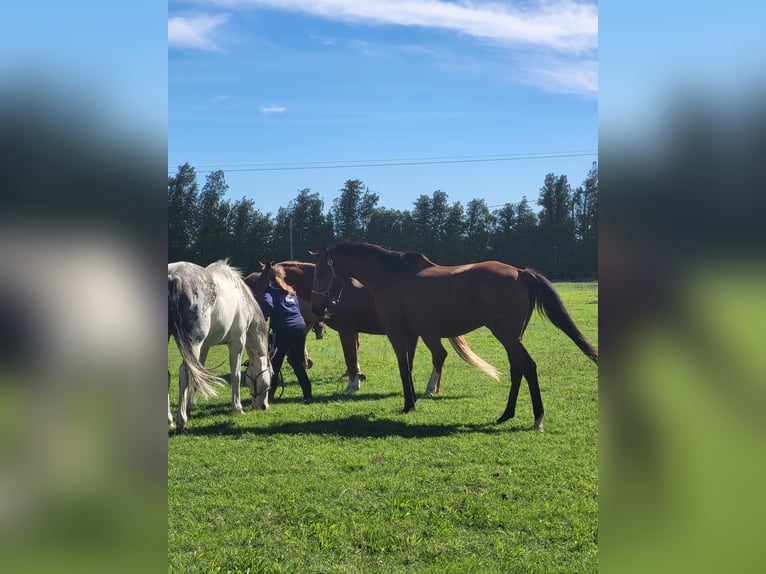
[
  {"x": 352, "y": 210},
  {"x": 300, "y": 228},
  {"x": 183, "y": 218},
  {"x": 556, "y": 224},
  {"x": 586, "y": 220},
  {"x": 455, "y": 229},
  {"x": 479, "y": 224},
  {"x": 527, "y": 247},
  {"x": 387, "y": 227},
  {"x": 560, "y": 239},
  {"x": 213, "y": 236},
  {"x": 250, "y": 236}
]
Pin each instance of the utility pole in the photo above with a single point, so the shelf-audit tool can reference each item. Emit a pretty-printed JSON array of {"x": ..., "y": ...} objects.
[{"x": 291, "y": 238}]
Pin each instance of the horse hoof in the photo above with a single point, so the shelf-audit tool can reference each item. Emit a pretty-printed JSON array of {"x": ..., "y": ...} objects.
[
  {"x": 362, "y": 376},
  {"x": 504, "y": 417},
  {"x": 409, "y": 408},
  {"x": 309, "y": 363}
]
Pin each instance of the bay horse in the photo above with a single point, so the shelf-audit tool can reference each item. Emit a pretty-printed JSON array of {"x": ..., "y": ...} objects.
[
  {"x": 352, "y": 311},
  {"x": 415, "y": 297},
  {"x": 210, "y": 306}
]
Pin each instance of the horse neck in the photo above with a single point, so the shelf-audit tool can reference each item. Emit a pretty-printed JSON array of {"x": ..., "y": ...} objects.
[
  {"x": 301, "y": 280},
  {"x": 367, "y": 270}
]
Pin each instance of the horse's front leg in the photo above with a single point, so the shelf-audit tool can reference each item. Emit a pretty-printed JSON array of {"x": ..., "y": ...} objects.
[
  {"x": 235, "y": 358},
  {"x": 259, "y": 380},
  {"x": 348, "y": 341},
  {"x": 404, "y": 347}
]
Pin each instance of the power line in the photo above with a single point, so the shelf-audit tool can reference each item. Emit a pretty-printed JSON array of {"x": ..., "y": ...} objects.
[{"x": 287, "y": 166}]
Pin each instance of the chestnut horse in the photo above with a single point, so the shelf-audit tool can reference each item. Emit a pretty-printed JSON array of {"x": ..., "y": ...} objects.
[
  {"x": 414, "y": 298},
  {"x": 352, "y": 311}
]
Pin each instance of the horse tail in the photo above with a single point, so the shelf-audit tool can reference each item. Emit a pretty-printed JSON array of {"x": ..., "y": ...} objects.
[
  {"x": 179, "y": 307},
  {"x": 550, "y": 305},
  {"x": 464, "y": 351}
]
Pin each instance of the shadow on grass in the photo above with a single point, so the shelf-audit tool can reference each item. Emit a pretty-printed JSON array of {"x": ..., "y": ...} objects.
[{"x": 353, "y": 426}]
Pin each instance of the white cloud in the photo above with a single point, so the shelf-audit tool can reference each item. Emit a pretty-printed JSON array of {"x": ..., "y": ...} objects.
[
  {"x": 562, "y": 25},
  {"x": 566, "y": 77},
  {"x": 273, "y": 109},
  {"x": 198, "y": 32}
]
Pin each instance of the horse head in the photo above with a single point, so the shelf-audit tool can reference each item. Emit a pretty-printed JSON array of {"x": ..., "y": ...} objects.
[{"x": 324, "y": 274}]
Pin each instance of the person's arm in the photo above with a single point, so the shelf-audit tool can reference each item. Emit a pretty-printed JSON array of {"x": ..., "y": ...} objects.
[{"x": 266, "y": 303}]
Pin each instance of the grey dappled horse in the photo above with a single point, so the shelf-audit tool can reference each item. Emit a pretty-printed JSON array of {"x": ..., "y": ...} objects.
[{"x": 210, "y": 306}]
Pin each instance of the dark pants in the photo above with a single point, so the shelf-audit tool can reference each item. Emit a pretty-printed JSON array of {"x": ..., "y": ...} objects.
[{"x": 291, "y": 342}]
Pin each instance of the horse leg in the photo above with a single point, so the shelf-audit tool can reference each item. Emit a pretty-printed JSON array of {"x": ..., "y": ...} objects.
[
  {"x": 185, "y": 390},
  {"x": 183, "y": 397},
  {"x": 510, "y": 409},
  {"x": 170, "y": 415},
  {"x": 522, "y": 364},
  {"x": 359, "y": 373},
  {"x": 307, "y": 362},
  {"x": 235, "y": 360},
  {"x": 438, "y": 355},
  {"x": 404, "y": 347},
  {"x": 259, "y": 370},
  {"x": 349, "y": 341}
]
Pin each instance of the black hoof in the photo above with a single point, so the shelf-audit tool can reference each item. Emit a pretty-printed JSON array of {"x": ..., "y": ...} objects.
[
  {"x": 504, "y": 417},
  {"x": 362, "y": 376},
  {"x": 309, "y": 363},
  {"x": 408, "y": 408}
]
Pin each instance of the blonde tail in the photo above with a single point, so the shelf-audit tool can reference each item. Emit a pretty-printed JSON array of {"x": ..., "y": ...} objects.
[{"x": 461, "y": 348}]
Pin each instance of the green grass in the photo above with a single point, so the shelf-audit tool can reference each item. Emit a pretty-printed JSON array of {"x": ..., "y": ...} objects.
[{"x": 350, "y": 484}]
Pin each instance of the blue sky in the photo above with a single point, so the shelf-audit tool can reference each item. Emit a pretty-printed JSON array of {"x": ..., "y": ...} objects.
[{"x": 408, "y": 96}]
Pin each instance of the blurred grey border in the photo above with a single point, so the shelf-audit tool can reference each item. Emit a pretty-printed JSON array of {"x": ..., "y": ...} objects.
[
  {"x": 83, "y": 165},
  {"x": 682, "y": 284}
]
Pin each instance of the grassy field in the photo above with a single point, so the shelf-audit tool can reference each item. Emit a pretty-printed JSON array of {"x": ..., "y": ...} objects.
[{"x": 350, "y": 484}]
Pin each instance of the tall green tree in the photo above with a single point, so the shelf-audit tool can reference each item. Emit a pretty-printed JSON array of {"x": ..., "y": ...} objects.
[
  {"x": 455, "y": 230},
  {"x": 479, "y": 224},
  {"x": 390, "y": 228},
  {"x": 586, "y": 220},
  {"x": 182, "y": 214},
  {"x": 352, "y": 210},
  {"x": 527, "y": 246},
  {"x": 556, "y": 224},
  {"x": 300, "y": 228},
  {"x": 250, "y": 236},
  {"x": 213, "y": 236},
  {"x": 421, "y": 219}
]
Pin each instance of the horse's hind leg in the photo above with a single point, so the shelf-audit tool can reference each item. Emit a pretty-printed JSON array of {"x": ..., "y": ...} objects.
[
  {"x": 438, "y": 356},
  {"x": 183, "y": 397},
  {"x": 170, "y": 415},
  {"x": 522, "y": 364},
  {"x": 510, "y": 409}
]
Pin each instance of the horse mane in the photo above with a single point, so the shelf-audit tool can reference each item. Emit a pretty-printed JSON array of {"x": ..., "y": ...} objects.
[
  {"x": 390, "y": 259},
  {"x": 222, "y": 266}
]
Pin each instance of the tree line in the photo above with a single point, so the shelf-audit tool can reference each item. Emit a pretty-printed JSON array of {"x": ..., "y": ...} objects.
[{"x": 560, "y": 239}]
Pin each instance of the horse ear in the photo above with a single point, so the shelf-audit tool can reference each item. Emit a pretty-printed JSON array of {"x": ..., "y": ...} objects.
[
  {"x": 313, "y": 253},
  {"x": 262, "y": 264}
]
